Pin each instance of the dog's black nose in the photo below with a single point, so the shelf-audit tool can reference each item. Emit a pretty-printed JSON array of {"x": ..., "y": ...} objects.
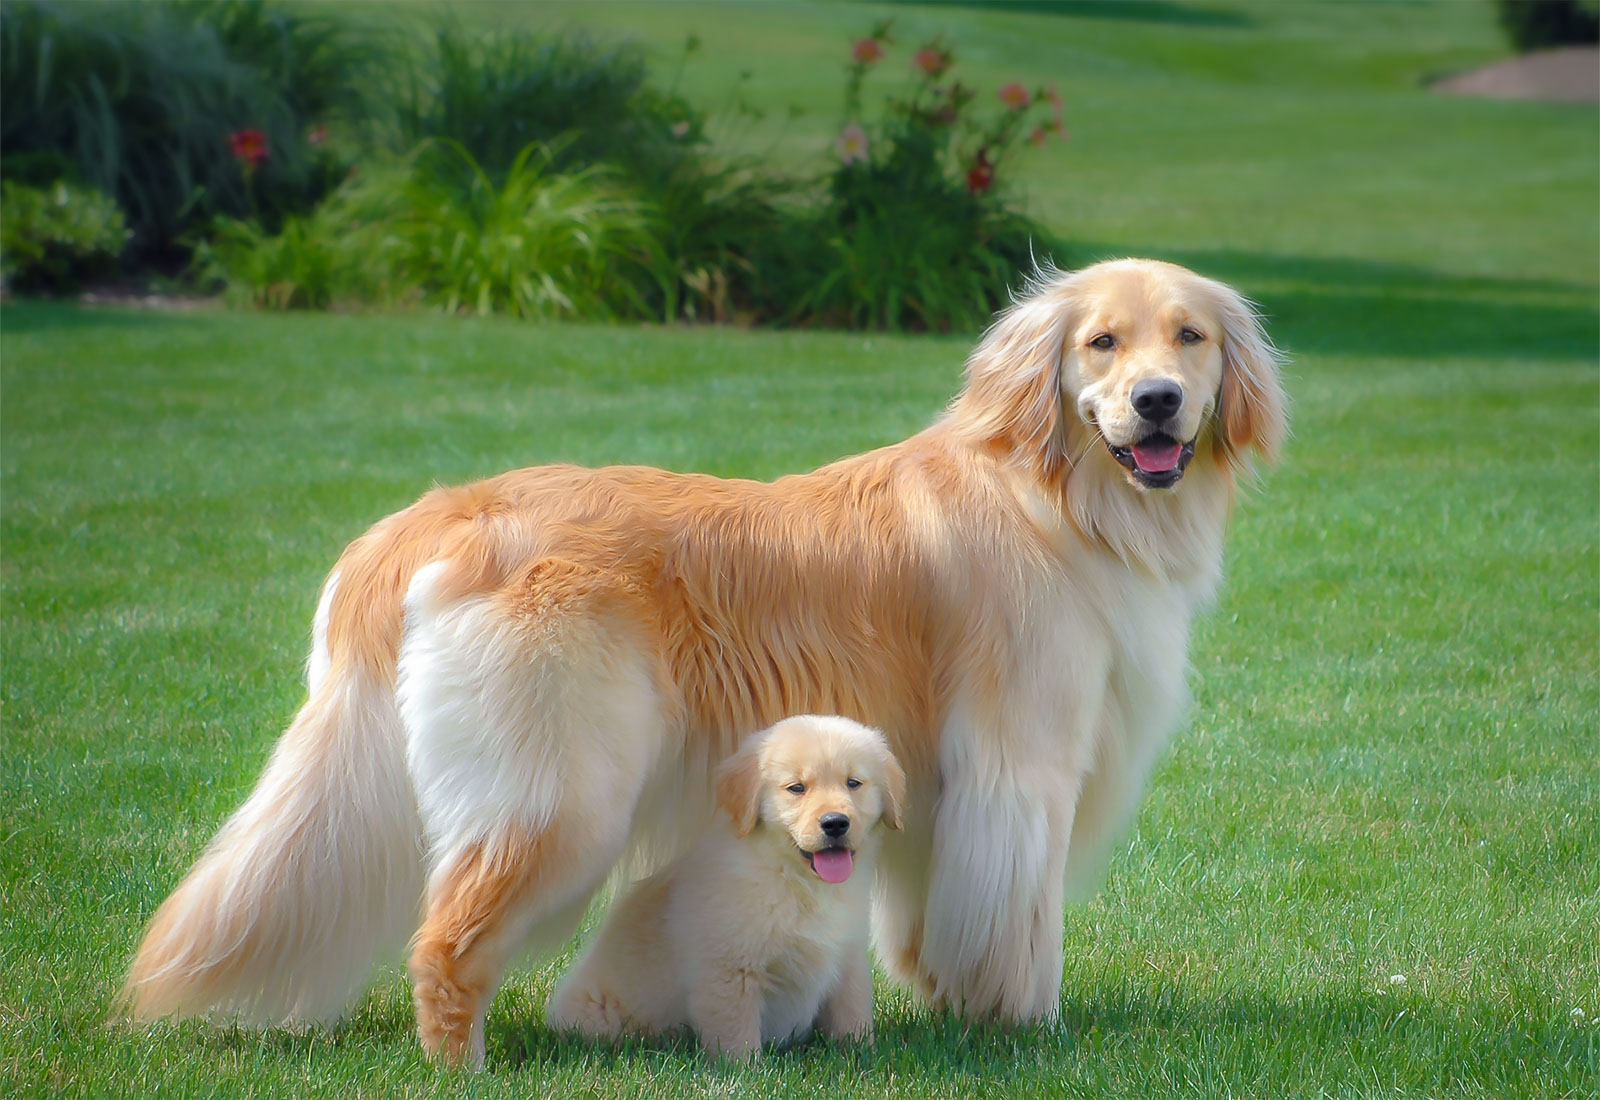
[
  {"x": 1157, "y": 399},
  {"x": 835, "y": 825}
]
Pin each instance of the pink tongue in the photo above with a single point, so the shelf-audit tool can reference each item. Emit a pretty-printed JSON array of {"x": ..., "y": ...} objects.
[
  {"x": 833, "y": 864},
  {"x": 1156, "y": 458}
]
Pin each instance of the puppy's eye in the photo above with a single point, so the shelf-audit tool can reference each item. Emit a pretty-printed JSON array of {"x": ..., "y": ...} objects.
[
  {"x": 852, "y": 783},
  {"x": 1190, "y": 336},
  {"x": 1105, "y": 342},
  {"x": 796, "y": 788}
]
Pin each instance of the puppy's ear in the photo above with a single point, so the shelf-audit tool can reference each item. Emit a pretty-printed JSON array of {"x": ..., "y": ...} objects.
[
  {"x": 739, "y": 786},
  {"x": 1253, "y": 408},
  {"x": 1012, "y": 400},
  {"x": 894, "y": 791}
]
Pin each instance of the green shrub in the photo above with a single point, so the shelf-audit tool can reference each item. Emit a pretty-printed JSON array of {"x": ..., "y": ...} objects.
[
  {"x": 318, "y": 261},
  {"x": 494, "y": 94},
  {"x": 541, "y": 243},
  {"x": 435, "y": 229},
  {"x": 915, "y": 231},
  {"x": 1541, "y": 24},
  {"x": 148, "y": 103},
  {"x": 52, "y": 238}
]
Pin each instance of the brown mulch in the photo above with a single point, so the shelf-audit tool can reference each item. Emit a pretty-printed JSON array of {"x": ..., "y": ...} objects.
[{"x": 1571, "y": 74}]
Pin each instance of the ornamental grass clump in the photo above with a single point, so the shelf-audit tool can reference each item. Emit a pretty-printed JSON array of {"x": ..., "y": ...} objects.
[
  {"x": 538, "y": 243},
  {"x": 435, "y": 229}
]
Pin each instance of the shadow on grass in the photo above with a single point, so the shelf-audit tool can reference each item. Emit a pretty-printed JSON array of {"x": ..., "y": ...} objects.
[
  {"x": 1359, "y": 307},
  {"x": 1143, "y": 11},
  {"x": 1110, "y": 1036},
  {"x": 33, "y": 315},
  {"x": 1313, "y": 304},
  {"x": 1121, "y": 1029}
]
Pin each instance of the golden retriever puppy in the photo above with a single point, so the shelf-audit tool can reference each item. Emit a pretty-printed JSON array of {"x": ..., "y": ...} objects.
[
  {"x": 516, "y": 685},
  {"x": 761, "y": 930}
]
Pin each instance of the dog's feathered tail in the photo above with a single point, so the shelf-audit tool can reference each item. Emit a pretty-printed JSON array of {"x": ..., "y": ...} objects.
[{"x": 282, "y": 917}]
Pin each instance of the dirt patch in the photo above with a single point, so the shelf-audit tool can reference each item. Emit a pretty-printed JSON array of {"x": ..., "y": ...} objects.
[{"x": 1571, "y": 73}]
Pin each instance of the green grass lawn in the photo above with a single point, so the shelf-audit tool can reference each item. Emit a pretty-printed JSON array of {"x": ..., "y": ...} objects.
[{"x": 1370, "y": 865}]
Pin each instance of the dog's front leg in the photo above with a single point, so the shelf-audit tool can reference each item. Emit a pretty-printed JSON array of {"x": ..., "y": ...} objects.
[
  {"x": 992, "y": 929},
  {"x": 725, "y": 1011},
  {"x": 847, "y": 1009}
]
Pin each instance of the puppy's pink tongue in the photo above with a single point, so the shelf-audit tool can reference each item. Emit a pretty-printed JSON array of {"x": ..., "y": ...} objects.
[
  {"x": 833, "y": 864},
  {"x": 1156, "y": 458}
]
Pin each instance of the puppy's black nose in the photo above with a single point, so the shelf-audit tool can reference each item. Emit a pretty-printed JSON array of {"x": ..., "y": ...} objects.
[
  {"x": 835, "y": 825},
  {"x": 1157, "y": 399}
]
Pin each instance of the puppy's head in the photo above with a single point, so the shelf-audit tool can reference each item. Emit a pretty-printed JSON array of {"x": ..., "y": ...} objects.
[
  {"x": 824, "y": 782},
  {"x": 1135, "y": 362}
]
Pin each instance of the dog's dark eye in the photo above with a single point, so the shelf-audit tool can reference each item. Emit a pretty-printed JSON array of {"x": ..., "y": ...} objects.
[
  {"x": 1190, "y": 336},
  {"x": 796, "y": 788},
  {"x": 852, "y": 783},
  {"x": 1105, "y": 342}
]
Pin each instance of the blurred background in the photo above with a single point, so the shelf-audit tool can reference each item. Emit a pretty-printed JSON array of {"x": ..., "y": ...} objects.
[{"x": 832, "y": 165}]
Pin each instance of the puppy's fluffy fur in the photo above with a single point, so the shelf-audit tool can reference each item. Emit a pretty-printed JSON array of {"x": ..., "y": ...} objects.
[
  {"x": 760, "y": 932},
  {"x": 515, "y": 685}
]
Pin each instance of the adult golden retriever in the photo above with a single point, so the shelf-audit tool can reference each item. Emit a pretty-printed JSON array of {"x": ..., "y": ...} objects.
[
  {"x": 759, "y": 933},
  {"x": 518, "y": 684}
]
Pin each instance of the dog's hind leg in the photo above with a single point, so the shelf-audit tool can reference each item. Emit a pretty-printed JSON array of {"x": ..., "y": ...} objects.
[
  {"x": 482, "y": 910},
  {"x": 533, "y": 719}
]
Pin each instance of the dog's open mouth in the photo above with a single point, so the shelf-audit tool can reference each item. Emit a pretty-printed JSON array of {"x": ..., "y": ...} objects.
[
  {"x": 1156, "y": 461},
  {"x": 832, "y": 865}
]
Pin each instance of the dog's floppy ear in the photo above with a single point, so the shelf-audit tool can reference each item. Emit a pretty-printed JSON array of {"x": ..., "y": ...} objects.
[
  {"x": 1252, "y": 408},
  {"x": 894, "y": 791},
  {"x": 1012, "y": 399},
  {"x": 739, "y": 786}
]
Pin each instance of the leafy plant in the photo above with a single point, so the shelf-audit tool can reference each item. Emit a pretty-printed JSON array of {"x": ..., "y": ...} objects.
[
  {"x": 1542, "y": 24},
  {"x": 435, "y": 228},
  {"x": 51, "y": 238},
  {"x": 495, "y": 94},
  {"x": 312, "y": 262},
  {"x": 540, "y": 243},
  {"x": 142, "y": 100},
  {"x": 914, "y": 232}
]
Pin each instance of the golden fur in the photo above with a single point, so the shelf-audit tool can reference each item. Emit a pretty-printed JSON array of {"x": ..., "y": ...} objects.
[
  {"x": 516, "y": 685},
  {"x": 741, "y": 939}
]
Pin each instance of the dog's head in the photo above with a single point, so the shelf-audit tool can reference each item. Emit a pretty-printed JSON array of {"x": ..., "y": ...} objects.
[
  {"x": 1136, "y": 362},
  {"x": 825, "y": 782}
]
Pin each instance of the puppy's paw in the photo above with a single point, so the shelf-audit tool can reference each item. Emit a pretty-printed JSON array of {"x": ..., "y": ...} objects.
[{"x": 593, "y": 1013}]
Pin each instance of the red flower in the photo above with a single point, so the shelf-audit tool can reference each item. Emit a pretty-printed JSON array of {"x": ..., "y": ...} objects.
[
  {"x": 980, "y": 177},
  {"x": 931, "y": 61},
  {"x": 248, "y": 146},
  {"x": 1015, "y": 96},
  {"x": 867, "y": 51}
]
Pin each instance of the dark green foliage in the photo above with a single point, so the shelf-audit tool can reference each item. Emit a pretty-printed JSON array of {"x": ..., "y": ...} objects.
[
  {"x": 436, "y": 229},
  {"x": 494, "y": 94},
  {"x": 903, "y": 246},
  {"x": 141, "y": 101},
  {"x": 913, "y": 233},
  {"x": 52, "y": 238},
  {"x": 1541, "y": 24}
]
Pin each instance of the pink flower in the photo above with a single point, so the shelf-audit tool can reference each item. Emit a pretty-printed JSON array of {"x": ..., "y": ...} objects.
[
  {"x": 852, "y": 144},
  {"x": 867, "y": 51},
  {"x": 1038, "y": 136},
  {"x": 680, "y": 129},
  {"x": 980, "y": 177},
  {"x": 1015, "y": 96},
  {"x": 248, "y": 146},
  {"x": 317, "y": 136},
  {"x": 931, "y": 61}
]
